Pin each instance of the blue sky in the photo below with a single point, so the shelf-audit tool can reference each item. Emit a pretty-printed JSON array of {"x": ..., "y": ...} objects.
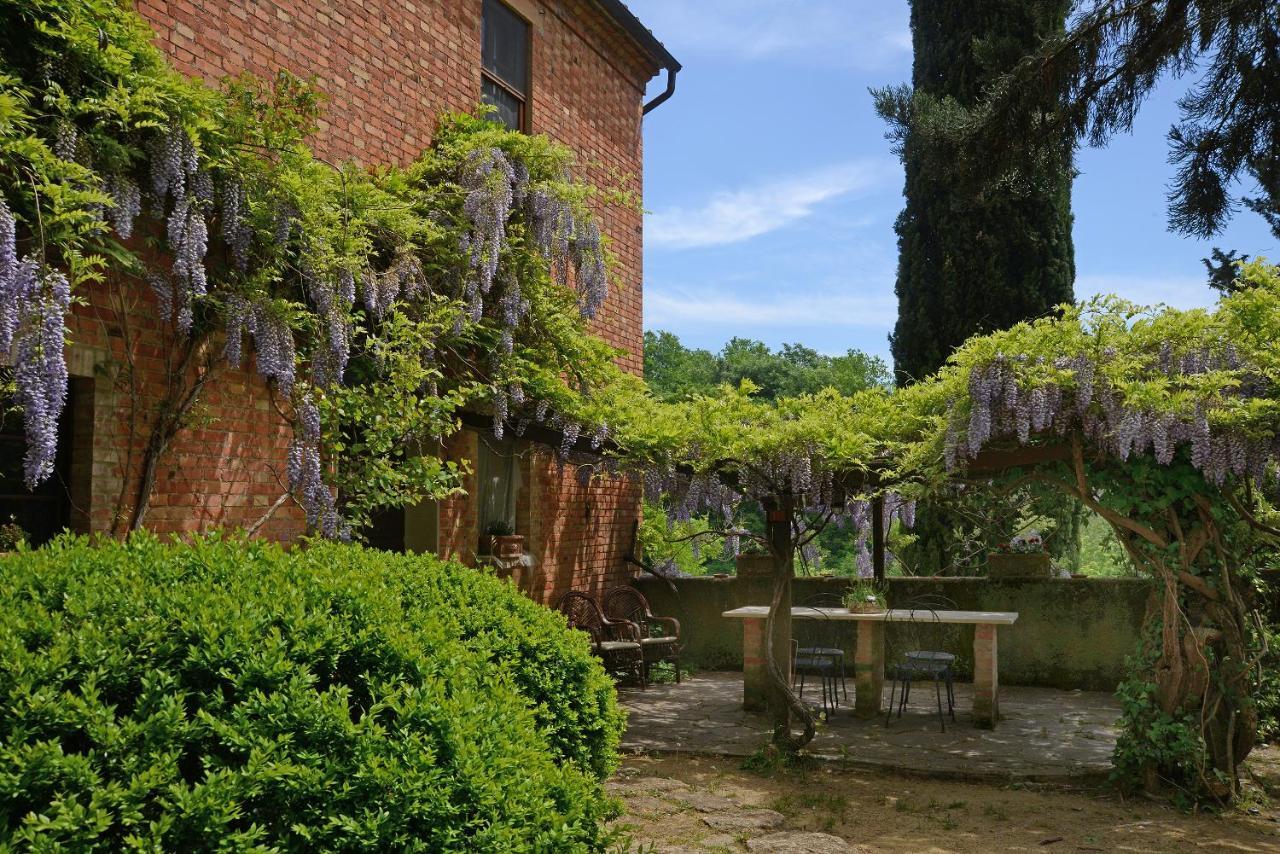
[{"x": 772, "y": 191}]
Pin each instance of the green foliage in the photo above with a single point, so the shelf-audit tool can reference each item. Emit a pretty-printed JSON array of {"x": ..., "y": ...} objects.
[
  {"x": 686, "y": 546},
  {"x": 1101, "y": 555},
  {"x": 1152, "y": 743},
  {"x": 11, "y": 535},
  {"x": 500, "y": 528},
  {"x": 227, "y": 694},
  {"x": 1268, "y": 697},
  {"x": 1096, "y": 75},
  {"x": 675, "y": 372},
  {"x": 865, "y": 592},
  {"x": 1267, "y": 650}
]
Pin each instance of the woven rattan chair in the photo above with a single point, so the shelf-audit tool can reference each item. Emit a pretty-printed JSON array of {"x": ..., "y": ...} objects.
[
  {"x": 615, "y": 642},
  {"x": 659, "y": 636}
]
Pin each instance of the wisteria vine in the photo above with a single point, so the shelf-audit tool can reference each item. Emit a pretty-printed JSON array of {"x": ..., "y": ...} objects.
[
  {"x": 685, "y": 495},
  {"x": 306, "y": 267},
  {"x": 1002, "y": 409}
]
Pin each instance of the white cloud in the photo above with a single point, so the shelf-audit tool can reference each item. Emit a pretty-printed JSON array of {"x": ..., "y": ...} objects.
[
  {"x": 734, "y": 216},
  {"x": 860, "y": 33},
  {"x": 1176, "y": 291},
  {"x": 746, "y": 313}
]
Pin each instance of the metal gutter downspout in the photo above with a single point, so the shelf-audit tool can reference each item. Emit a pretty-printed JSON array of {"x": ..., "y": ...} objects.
[{"x": 666, "y": 93}]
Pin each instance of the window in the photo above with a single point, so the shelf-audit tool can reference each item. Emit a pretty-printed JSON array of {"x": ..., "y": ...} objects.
[
  {"x": 414, "y": 528},
  {"x": 504, "y": 56},
  {"x": 498, "y": 480}
]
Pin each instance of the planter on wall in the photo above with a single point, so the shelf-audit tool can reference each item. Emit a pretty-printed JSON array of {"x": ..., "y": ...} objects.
[
  {"x": 506, "y": 546},
  {"x": 1005, "y": 565},
  {"x": 754, "y": 566}
]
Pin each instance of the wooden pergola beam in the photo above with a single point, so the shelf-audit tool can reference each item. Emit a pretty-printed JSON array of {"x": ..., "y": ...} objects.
[{"x": 992, "y": 461}]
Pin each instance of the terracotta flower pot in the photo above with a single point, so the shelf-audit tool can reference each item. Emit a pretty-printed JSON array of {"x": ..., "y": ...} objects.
[{"x": 507, "y": 547}]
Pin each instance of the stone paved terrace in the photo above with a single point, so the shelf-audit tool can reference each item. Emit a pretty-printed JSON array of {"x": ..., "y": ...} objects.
[{"x": 1045, "y": 735}]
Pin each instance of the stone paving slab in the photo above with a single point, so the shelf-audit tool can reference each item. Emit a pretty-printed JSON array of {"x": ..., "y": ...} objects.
[{"x": 1045, "y": 735}]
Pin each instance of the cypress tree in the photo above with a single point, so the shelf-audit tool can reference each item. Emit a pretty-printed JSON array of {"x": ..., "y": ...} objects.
[{"x": 975, "y": 255}]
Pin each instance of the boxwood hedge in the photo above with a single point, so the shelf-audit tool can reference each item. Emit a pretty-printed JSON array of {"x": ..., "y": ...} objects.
[{"x": 232, "y": 695}]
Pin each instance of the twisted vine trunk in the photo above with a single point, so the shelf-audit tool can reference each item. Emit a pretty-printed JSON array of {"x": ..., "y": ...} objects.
[
  {"x": 1205, "y": 664},
  {"x": 183, "y": 393},
  {"x": 783, "y": 702}
]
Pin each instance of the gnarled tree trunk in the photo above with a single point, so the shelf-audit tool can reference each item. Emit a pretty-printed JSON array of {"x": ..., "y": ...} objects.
[{"x": 783, "y": 702}]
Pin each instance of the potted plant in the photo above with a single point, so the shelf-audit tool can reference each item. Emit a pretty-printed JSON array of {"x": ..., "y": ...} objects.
[
  {"x": 1022, "y": 557},
  {"x": 504, "y": 542},
  {"x": 11, "y": 536},
  {"x": 865, "y": 597},
  {"x": 753, "y": 560}
]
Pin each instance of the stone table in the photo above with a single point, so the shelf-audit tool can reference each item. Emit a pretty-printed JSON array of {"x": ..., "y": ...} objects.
[{"x": 869, "y": 657}]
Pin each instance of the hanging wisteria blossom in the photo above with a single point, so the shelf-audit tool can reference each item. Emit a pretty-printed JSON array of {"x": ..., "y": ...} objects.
[
  {"x": 589, "y": 269},
  {"x": 489, "y": 180},
  {"x": 1000, "y": 410},
  {"x": 126, "y": 199},
  {"x": 237, "y": 231},
  {"x": 10, "y": 295},
  {"x": 304, "y": 472},
  {"x": 40, "y": 367}
]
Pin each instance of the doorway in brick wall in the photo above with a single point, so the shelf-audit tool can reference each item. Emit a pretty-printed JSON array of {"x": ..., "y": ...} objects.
[
  {"x": 414, "y": 529},
  {"x": 61, "y": 502}
]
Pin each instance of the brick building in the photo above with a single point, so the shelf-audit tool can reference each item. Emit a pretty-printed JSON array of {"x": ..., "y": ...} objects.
[{"x": 573, "y": 69}]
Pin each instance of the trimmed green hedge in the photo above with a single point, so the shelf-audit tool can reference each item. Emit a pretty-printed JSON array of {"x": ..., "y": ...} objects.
[{"x": 224, "y": 694}]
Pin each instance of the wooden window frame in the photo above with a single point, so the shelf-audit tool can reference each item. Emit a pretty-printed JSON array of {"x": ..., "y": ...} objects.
[{"x": 525, "y": 11}]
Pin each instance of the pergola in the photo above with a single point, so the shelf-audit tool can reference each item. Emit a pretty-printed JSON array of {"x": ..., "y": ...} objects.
[{"x": 1164, "y": 423}]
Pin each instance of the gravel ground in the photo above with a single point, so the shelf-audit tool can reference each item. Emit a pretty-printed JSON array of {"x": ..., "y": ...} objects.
[{"x": 696, "y": 804}]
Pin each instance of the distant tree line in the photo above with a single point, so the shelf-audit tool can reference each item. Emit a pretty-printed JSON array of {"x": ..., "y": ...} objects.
[{"x": 675, "y": 372}]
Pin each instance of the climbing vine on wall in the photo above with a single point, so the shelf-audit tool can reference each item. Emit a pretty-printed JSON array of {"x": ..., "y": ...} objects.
[{"x": 375, "y": 303}]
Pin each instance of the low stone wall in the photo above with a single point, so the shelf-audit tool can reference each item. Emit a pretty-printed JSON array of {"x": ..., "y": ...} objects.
[{"x": 1071, "y": 633}]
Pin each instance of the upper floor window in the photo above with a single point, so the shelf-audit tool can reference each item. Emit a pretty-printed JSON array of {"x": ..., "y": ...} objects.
[{"x": 504, "y": 54}]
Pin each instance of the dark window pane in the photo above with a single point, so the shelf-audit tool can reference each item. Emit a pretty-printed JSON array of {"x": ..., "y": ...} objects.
[
  {"x": 509, "y": 106},
  {"x": 505, "y": 46}
]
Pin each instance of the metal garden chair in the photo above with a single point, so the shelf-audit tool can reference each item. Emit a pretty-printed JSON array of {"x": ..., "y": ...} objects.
[
  {"x": 908, "y": 659},
  {"x": 816, "y": 651}
]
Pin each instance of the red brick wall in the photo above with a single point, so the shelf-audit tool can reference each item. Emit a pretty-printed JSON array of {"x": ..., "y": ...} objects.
[{"x": 388, "y": 68}]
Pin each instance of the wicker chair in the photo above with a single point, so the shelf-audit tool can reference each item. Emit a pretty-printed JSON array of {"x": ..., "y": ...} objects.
[
  {"x": 659, "y": 636},
  {"x": 615, "y": 642}
]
